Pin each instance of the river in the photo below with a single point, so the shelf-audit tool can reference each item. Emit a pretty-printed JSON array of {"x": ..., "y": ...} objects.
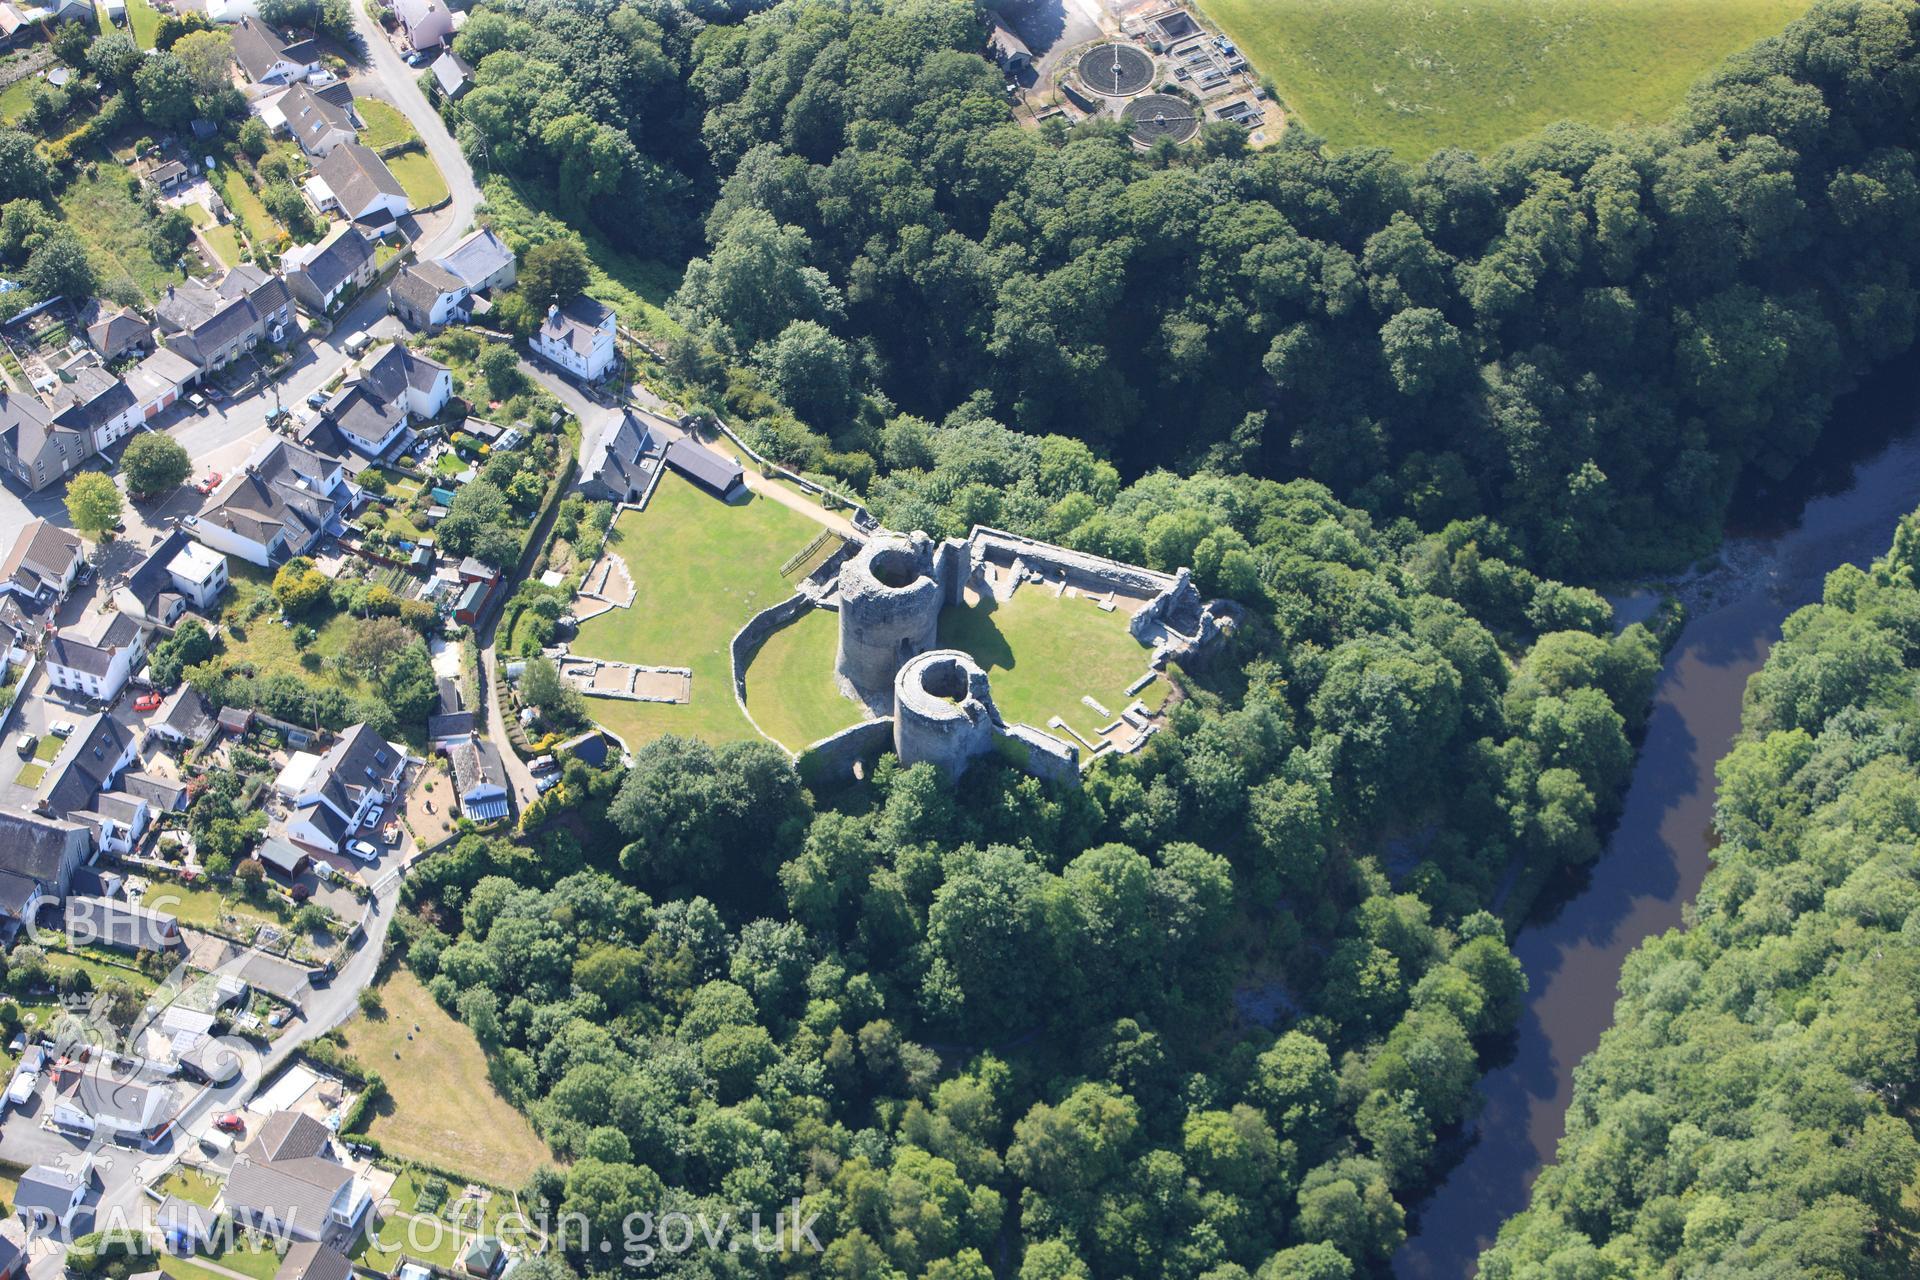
[{"x": 1657, "y": 856}]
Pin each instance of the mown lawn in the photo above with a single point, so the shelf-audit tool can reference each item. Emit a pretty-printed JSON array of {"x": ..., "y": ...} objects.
[
  {"x": 145, "y": 20},
  {"x": 790, "y": 688},
  {"x": 1415, "y": 76},
  {"x": 202, "y": 906},
  {"x": 114, "y": 227},
  {"x": 386, "y": 126},
  {"x": 16, "y": 98},
  {"x": 440, "y": 1108},
  {"x": 223, "y": 240},
  {"x": 419, "y": 177},
  {"x": 701, "y": 568},
  {"x": 190, "y": 1185},
  {"x": 1042, "y": 654}
]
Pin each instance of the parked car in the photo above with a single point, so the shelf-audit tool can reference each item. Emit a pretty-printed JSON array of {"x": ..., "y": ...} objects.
[
  {"x": 392, "y": 834},
  {"x": 25, "y": 744},
  {"x": 198, "y": 401},
  {"x": 147, "y": 702},
  {"x": 61, "y": 728},
  {"x": 231, "y": 1122},
  {"x": 317, "y": 400},
  {"x": 363, "y": 851},
  {"x": 542, "y": 764},
  {"x": 546, "y": 783},
  {"x": 209, "y": 482}
]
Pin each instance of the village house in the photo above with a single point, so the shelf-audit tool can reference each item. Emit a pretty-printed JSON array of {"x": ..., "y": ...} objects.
[
  {"x": 316, "y": 123},
  {"x": 115, "y": 923},
  {"x": 355, "y": 183},
  {"x": 579, "y": 337},
  {"x": 284, "y": 501},
  {"x": 85, "y": 787},
  {"x": 133, "y": 1108},
  {"x": 333, "y": 795},
  {"x": 452, "y": 74},
  {"x": 33, "y": 447},
  {"x": 268, "y": 57},
  {"x": 115, "y": 331},
  {"x": 287, "y": 1182},
  {"x": 427, "y": 295},
  {"x": 158, "y": 381},
  {"x": 91, "y": 400},
  {"x": 40, "y": 569},
  {"x": 38, "y": 858},
  {"x": 424, "y": 24},
  {"x": 47, "y": 1198},
  {"x": 178, "y": 572},
  {"x": 323, "y": 275},
  {"x": 479, "y": 778},
  {"x": 622, "y": 463},
  {"x": 392, "y": 388},
  {"x": 96, "y": 660}
]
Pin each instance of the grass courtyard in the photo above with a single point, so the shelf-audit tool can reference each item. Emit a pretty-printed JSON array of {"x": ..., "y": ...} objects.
[
  {"x": 700, "y": 569},
  {"x": 790, "y": 688},
  {"x": 440, "y": 1108},
  {"x": 1414, "y": 76},
  {"x": 1042, "y": 654},
  {"x": 190, "y": 1185}
]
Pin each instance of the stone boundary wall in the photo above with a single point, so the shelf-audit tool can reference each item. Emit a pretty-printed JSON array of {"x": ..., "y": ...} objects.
[
  {"x": 748, "y": 638},
  {"x": 833, "y": 759},
  {"x": 1083, "y": 569},
  {"x": 858, "y": 513}
]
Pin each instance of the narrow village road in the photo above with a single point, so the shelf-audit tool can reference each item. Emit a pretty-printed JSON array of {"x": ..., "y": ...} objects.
[{"x": 399, "y": 81}]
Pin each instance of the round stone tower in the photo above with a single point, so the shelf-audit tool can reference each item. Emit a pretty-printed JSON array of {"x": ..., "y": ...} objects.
[
  {"x": 942, "y": 711},
  {"x": 890, "y": 600}
]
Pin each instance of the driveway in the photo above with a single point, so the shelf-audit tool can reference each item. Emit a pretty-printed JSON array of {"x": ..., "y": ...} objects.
[{"x": 397, "y": 81}]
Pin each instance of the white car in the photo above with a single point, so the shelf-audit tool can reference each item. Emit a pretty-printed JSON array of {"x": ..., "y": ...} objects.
[
  {"x": 61, "y": 728},
  {"x": 363, "y": 851},
  {"x": 372, "y": 820}
]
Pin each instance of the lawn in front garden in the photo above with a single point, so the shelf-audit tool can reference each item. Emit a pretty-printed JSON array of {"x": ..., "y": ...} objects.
[
  {"x": 419, "y": 177},
  {"x": 701, "y": 568},
  {"x": 191, "y": 1185}
]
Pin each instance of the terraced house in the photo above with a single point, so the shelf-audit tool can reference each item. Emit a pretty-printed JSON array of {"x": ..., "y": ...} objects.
[
  {"x": 210, "y": 327},
  {"x": 33, "y": 447}
]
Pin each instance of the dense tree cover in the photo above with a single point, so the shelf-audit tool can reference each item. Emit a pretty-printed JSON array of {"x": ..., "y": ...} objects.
[
  {"x": 1001, "y": 1018},
  {"x": 1587, "y": 335},
  {"x": 1749, "y": 1113}
]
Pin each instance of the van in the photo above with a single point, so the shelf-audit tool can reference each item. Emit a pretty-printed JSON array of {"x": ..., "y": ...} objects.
[{"x": 358, "y": 344}]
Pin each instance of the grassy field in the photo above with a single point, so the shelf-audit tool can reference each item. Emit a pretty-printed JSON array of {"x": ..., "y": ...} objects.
[
  {"x": 386, "y": 127},
  {"x": 441, "y": 1109},
  {"x": 146, "y": 22},
  {"x": 1415, "y": 76},
  {"x": 113, "y": 227},
  {"x": 790, "y": 687},
  {"x": 419, "y": 177},
  {"x": 636, "y": 287},
  {"x": 1042, "y": 654},
  {"x": 700, "y": 568}
]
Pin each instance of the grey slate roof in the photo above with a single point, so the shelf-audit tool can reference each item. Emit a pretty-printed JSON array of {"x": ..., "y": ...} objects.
[
  {"x": 311, "y": 117},
  {"x": 340, "y": 255},
  {"x": 394, "y": 370},
  {"x": 617, "y": 463},
  {"x": 150, "y": 579},
  {"x": 452, "y": 73},
  {"x": 272, "y": 497},
  {"x": 114, "y": 331},
  {"x": 703, "y": 466},
  {"x": 356, "y": 175},
  {"x": 422, "y": 284},
  {"x": 48, "y": 1188},
  {"x": 93, "y": 654},
  {"x": 160, "y": 793},
  {"x": 576, "y": 322},
  {"x": 29, "y": 433},
  {"x": 257, "y": 46},
  {"x": 278, "y": 855},
  {"x": 288, "y": 1135},
  {"x": 84, "y": 767},
  {"x": 33, "y": 846},
  {"x": 307, "y": 1260}
]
